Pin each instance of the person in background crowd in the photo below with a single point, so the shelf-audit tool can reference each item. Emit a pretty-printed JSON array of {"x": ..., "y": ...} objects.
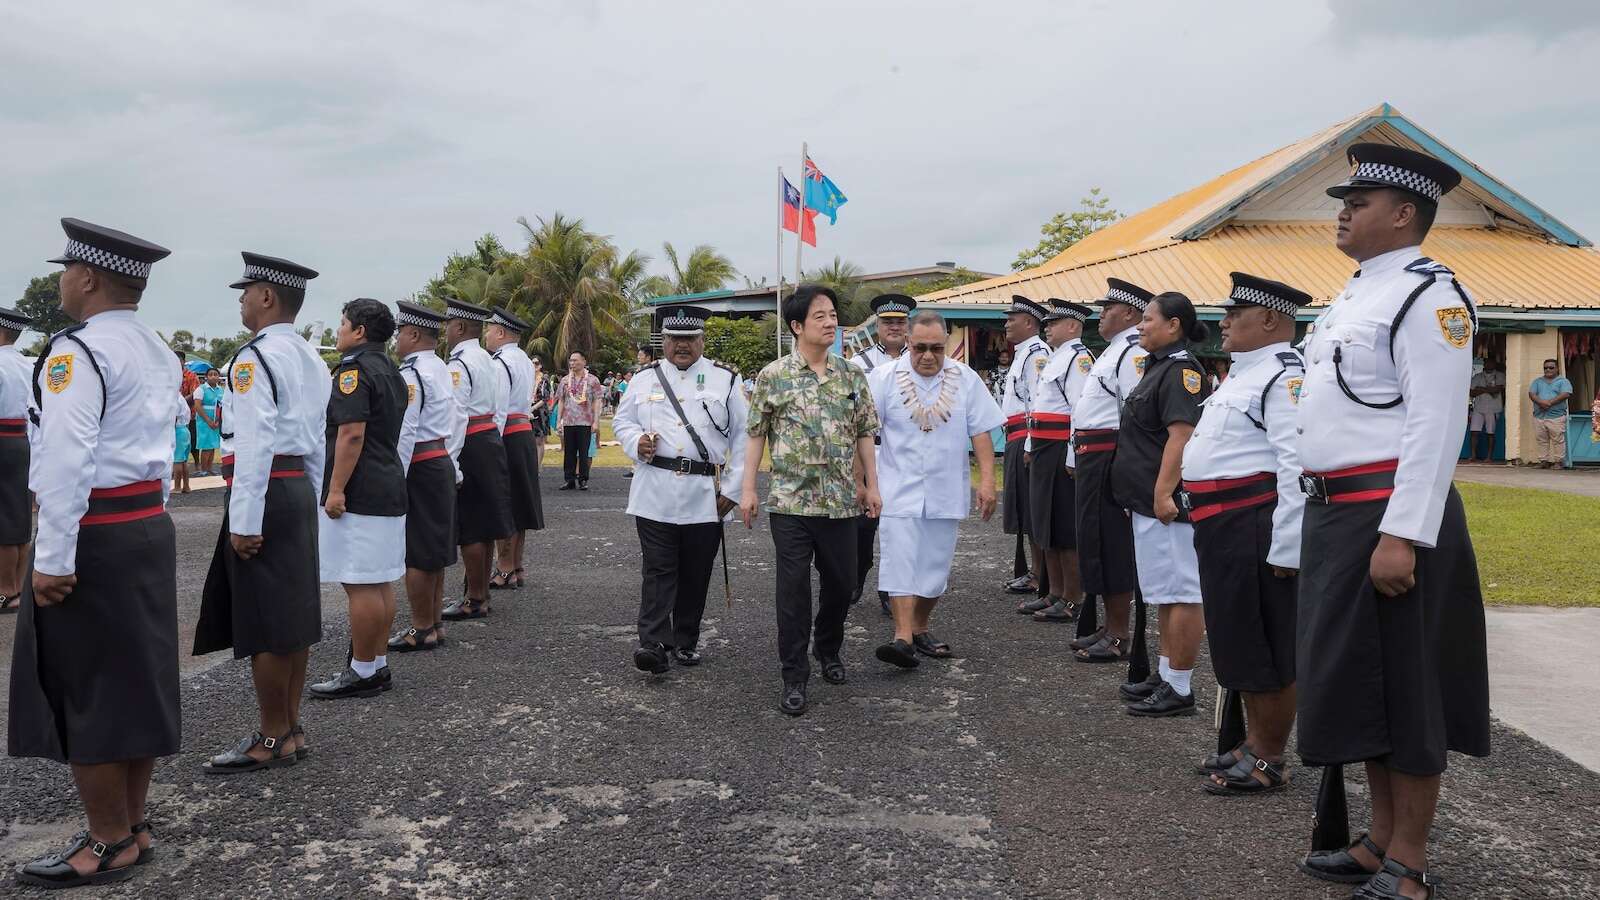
[
  {"x": 540, "y": 409},
  {"x": 180, "y": 442},
  {"x": 643, "y": 358},
  {"x": 1549, "y": 394},
  {"x": 361, "y": 536},
  {"x": 208, "y": 410},
  {"x": 1488, "y": 399},
  {"x": 578, "y": 401},
  {"x": 1594, "y": 422},
  {"x": 16, "y": 505},
  {"x": 191, "y": 383}
]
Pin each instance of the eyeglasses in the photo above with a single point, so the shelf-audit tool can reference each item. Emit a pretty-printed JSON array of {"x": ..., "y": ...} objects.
[{"x": 935, "y": 349}]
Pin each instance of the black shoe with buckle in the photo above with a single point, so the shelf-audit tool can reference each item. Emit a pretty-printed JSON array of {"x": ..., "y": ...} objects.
[
  {"x": 1022, "y": 585},
  {"x": 347, "y": 684},
  {"x": 651, "y": 658},
  {"x": 1386, "y": 884},
  {"x": 1165, "y": 701},
  {"x": 1134, "y": 691},
  {"x": 1339, "y": 865},
  {"x": 792, "y": 702},
  {"x": 239, "y": 760},
  {"x": 385, "y": 678},
  {"x": 55, "y": 871}
]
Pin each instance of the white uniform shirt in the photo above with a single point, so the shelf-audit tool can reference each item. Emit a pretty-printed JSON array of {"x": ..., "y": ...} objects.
[
  {"x": 871, "y": 358},
  {"x": 1488, "y": 404},
  {"x": 260, "y": 425},
  {"x": 1431, "y": 369},
  {"x": 16, "y": 384},
  {"x": 1062, "y": 383},
  {"x": 80, "y": 447},
  {"x": 477, "y": 388},
  {"x": 515, "y": 373},
  {"x": 430, "y": 404},
  {"x": 1028, "y": 360},
  {"x": 1247, "y": 428},
  {"x": 926, "y": 474},
  {"x": 1110, "y": 380},
  {"x": 712, "y": 398}
]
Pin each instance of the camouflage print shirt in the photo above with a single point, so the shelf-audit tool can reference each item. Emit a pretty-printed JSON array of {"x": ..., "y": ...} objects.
[{"x": 811, "y": 425}]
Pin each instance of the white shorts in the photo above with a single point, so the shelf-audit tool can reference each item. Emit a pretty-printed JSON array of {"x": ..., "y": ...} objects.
[
  {"x": 1482, "y": 422},
  {"x": 914, "y": 555},
  {"x": 1169, "y": 570},
  {"x": 357, "y": 549}
]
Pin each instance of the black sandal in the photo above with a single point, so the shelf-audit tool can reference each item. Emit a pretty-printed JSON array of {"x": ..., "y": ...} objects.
[
  {"x": 1386, "y": 884},
  {"x": 928, "y": 645},
  {"x": 145, "y": 853},
  {"x": 898, "y": 653},
  {"x": 504, "y": 584},
  {"x": 10, "y": 605},
  {"x": 1088, "y": 640},
  {"x": 465, "y": 609},
  {"x": 517, "y": 573},
  {"x": 54, "y": 871},
  {"x": 412, "y": 640},
  {"x": 1240, "y": 779},
  {"x": 438, "y": 634},
  {"x": 301, "y": 751},
  {"x": 1339, "y": 866},
  {"x": 1218, "y": 763},
  {"x": 238, "y": 759},
  {"x": 1107, "y": 649}
]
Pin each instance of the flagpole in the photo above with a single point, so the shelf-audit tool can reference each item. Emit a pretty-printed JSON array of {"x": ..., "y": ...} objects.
[
  {"x": 778, "y": 292},
  {"x": 804, "y": 155}
]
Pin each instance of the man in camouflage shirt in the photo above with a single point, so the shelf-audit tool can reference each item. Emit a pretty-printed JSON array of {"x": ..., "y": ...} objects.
[{"x": 818, "y": 413}]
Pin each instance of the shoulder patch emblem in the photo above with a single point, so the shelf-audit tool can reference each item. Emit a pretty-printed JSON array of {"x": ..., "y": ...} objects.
[
  {"x": 1191, "y": 381},
  {"x": 1040, "y": 363},
  {"x": 58, "y": 373},
  {"x": 1085, "y": 364},
  {"x": 1455, "y": 326},
  {"x": 411, "y": 394},
  {"x": 244, "y": 376},
  {"x": 1294, "y": 385},
  {"x": 1138, "y": 364},
  {"x": 455, "y": 378},
  {"x": 349, "y": 380}
]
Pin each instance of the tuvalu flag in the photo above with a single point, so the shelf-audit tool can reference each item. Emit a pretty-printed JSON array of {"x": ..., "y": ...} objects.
[
  {"x": 791, "y": 214},
  {"x": 822, "y": 194}
]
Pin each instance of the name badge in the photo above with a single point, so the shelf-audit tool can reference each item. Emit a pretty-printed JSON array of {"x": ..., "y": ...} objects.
[{"x": 657, "y": 396}]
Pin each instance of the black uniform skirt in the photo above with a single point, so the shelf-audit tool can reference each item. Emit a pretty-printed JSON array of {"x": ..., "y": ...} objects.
[
  {"x": 483, "y": 500},
  {"x": 431, "y": 514},
  {"x": 94, "y": 679},
  {"x": 1250, "y": 612},
  {"x": 1052, "y": 499},
  {"x": 1015, "y": 515},
  {"x": 271, "y": 602},
  {"x": 1104, "y": 531},
  {"x": 16, "y": 505},
  {"x": 1399, "y": 680},
  {"x": 527, "y": 509}
]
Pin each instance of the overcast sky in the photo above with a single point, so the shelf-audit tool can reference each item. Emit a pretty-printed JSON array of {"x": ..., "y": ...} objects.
[{"x": 370, "y": 139}]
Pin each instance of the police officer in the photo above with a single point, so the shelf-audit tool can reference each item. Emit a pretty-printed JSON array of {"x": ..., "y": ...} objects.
[
  {"x": 1052, "y": 499},
  {"x": 682, "y": 421},
  {"x": 94, "y": 672},
  {"x": 1241, "y": 489},
  {"x": 431, "y": 474},
  {"x": 1029, "y": 354},
  {"x": 892, "y": 311},
  {"x": 262, "y": 596},
  {"x": 16, "y": 505},
  {"x": 1390, "y": 652},
  {"x": 1105, "y": 538},
  {"x": 483, "y": 500},
  {"x": 362, "y": 532},
  {"x": 515, "y": 372}
]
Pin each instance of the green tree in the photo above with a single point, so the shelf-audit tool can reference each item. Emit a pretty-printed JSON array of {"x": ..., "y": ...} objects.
[
  {"x": 182, "y": 339},
  {"x": 219, "y": 350},
  {"x": 704, "y": 270},
  {"x": 570, "y": 296},
  {"x": 745, "y": 344},
  {"x": 845, "y": 279},
  {"x": 1065, "y": 229},
  {"x": 41, "y": 302}
]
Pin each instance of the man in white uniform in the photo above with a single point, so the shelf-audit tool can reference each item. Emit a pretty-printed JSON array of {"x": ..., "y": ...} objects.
[
  {"x": 682, "y": 421},
  {"x": 483, "y": 500},
  {"x": 1488, "y": 393},
  {"x": 891, "y": 310},
  {"x": 930, "y": 410},
  {"x": 1029, "y": 353},
  {"x": 16, "y": 506},
  {"x": 515, "y": 372},
  {"x": 1052, "y": 498}
]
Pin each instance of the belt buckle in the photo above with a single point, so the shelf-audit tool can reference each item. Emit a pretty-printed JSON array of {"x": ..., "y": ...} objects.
[
  {"x": 682, "y": 468},
  {"x": 1185, "y": 501},
  {"x": 1315, "y": 487}
]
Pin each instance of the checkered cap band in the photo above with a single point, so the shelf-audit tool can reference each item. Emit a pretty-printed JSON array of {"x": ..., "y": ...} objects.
[
  {"x": 273, "y": 276},
  {"x": 1070, "y": 313},
  {"x": 1118, "y": 295},
  {"x": 1258, "y": 297},
  {"x": 1018, "y": 307},
  {"x": 105, "y": 259},
  {"x": 405, "y": 318},
  {"x": 15, "y": 323},
  {"x": 504, "y": 322},
  {"x": 460, "y": 312},
  {"x": 1415, "y": 182},
  {"x": 683, "y": 325},
  {"x": 893, "y": 306}
]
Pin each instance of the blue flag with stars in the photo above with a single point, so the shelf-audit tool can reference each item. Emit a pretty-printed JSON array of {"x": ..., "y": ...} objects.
[{"x": 822, "y": 194}]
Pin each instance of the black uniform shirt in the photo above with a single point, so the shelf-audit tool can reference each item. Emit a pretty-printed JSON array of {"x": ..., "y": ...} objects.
[
  {"x": 1171, "y": 390},
  {"x": 367, "y": 387}
]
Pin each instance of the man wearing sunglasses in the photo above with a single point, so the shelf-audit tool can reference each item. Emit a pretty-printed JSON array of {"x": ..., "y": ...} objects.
[{"x": 1550, "y": 394}]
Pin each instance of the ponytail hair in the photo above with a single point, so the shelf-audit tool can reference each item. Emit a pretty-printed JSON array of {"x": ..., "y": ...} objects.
[{"x": 1175, "y": 305}]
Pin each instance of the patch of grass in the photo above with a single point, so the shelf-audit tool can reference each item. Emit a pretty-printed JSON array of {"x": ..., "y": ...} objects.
[{"x": 1524, "y": 540}]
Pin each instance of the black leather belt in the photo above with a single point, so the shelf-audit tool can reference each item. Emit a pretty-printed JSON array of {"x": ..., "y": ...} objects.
[
  {"x": 1357, "y": 484},
  {"x": 677, "y": 465}
]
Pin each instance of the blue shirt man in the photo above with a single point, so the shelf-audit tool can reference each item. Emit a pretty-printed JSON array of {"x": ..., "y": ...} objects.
[{"x": 1550, "y": 394}]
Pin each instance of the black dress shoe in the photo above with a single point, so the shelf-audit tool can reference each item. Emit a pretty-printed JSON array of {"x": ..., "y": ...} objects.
[
  {"x": 238, "y": 758},
  {"x": 386, "y": 678},
  {"x": 1022, "y": 585},
  {"x": 347, "y": 684},
  {"x": 569, "y": 486},
  {"x": 1339, "y": 865},
  {"x": 792, "y": 701},
  {"x": 1162, "y": 703},
  {"x": 686, "y": 656},
  {"x": 583, "y": 485},
  {"x": 1134, "y": 691},
  {"x": 651, "y": 658},
  {"x": 832, "y": 670},
  {"x": 54, "y": 871}
]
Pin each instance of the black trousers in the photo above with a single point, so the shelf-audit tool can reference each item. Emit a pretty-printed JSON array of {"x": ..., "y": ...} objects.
[
  {"x": 575, "y": 452},
  {"x": 866, "y": 540},
  {"x": 677, "y": 568},
  {"x": 828, "y": 544}
]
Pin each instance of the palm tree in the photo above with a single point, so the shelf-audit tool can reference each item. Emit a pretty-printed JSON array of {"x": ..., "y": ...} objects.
[
  {"x": 704, "y": 270},
  {"x": 845, "y": 279},
  {"x": 570, "y": 294}
]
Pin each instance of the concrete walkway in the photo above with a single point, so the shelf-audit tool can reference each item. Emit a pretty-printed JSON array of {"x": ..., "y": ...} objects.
[
  {"x": 1585, "y": 482},
  {"x": 1540, "y": 680}
]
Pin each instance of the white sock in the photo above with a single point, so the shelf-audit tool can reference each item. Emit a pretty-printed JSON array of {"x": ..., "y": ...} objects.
[
  {"x": 1179, "y": 679},
  {"x": 366, "y": 669},
  {"x": 1164, "y": 669},
  {"x": 381, "y": 661}
]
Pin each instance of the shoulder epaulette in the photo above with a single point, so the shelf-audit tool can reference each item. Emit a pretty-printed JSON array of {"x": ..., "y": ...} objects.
[
  {"x": 1133, "y": 338},
  {"x": 724, "y": 366},
  {"x": 1180, "y": 354},
  {"x": 1289, "y": 358},
  {"x": 71, "y": 334},
  {"x": 1426, "y": 266}
]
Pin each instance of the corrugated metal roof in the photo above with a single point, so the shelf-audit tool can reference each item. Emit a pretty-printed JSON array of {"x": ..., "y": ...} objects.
[{"x": 1500, "y": 268}]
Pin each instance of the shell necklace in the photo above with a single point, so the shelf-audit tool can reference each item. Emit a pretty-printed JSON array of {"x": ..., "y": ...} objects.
[{"x": 928, "y": 416}]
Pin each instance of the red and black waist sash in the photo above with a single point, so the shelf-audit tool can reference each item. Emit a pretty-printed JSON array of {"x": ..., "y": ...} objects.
[
  {"x": 128, "y": 503},
  {"x": 1357, "y": 484},
  {"x": 478, "y": 424},
  {"x": 1204, "y": 499},
  {"x": 426, "y": 450},
  {"x": 283, "y": 466},
  {"x": 1050, "y": 426},
  {"x": 517, "y": 423},
  {"x": 13, "y": 428},
  {"x": 1016, "y": 427},
  {"x": 1094, "y": 440}
]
